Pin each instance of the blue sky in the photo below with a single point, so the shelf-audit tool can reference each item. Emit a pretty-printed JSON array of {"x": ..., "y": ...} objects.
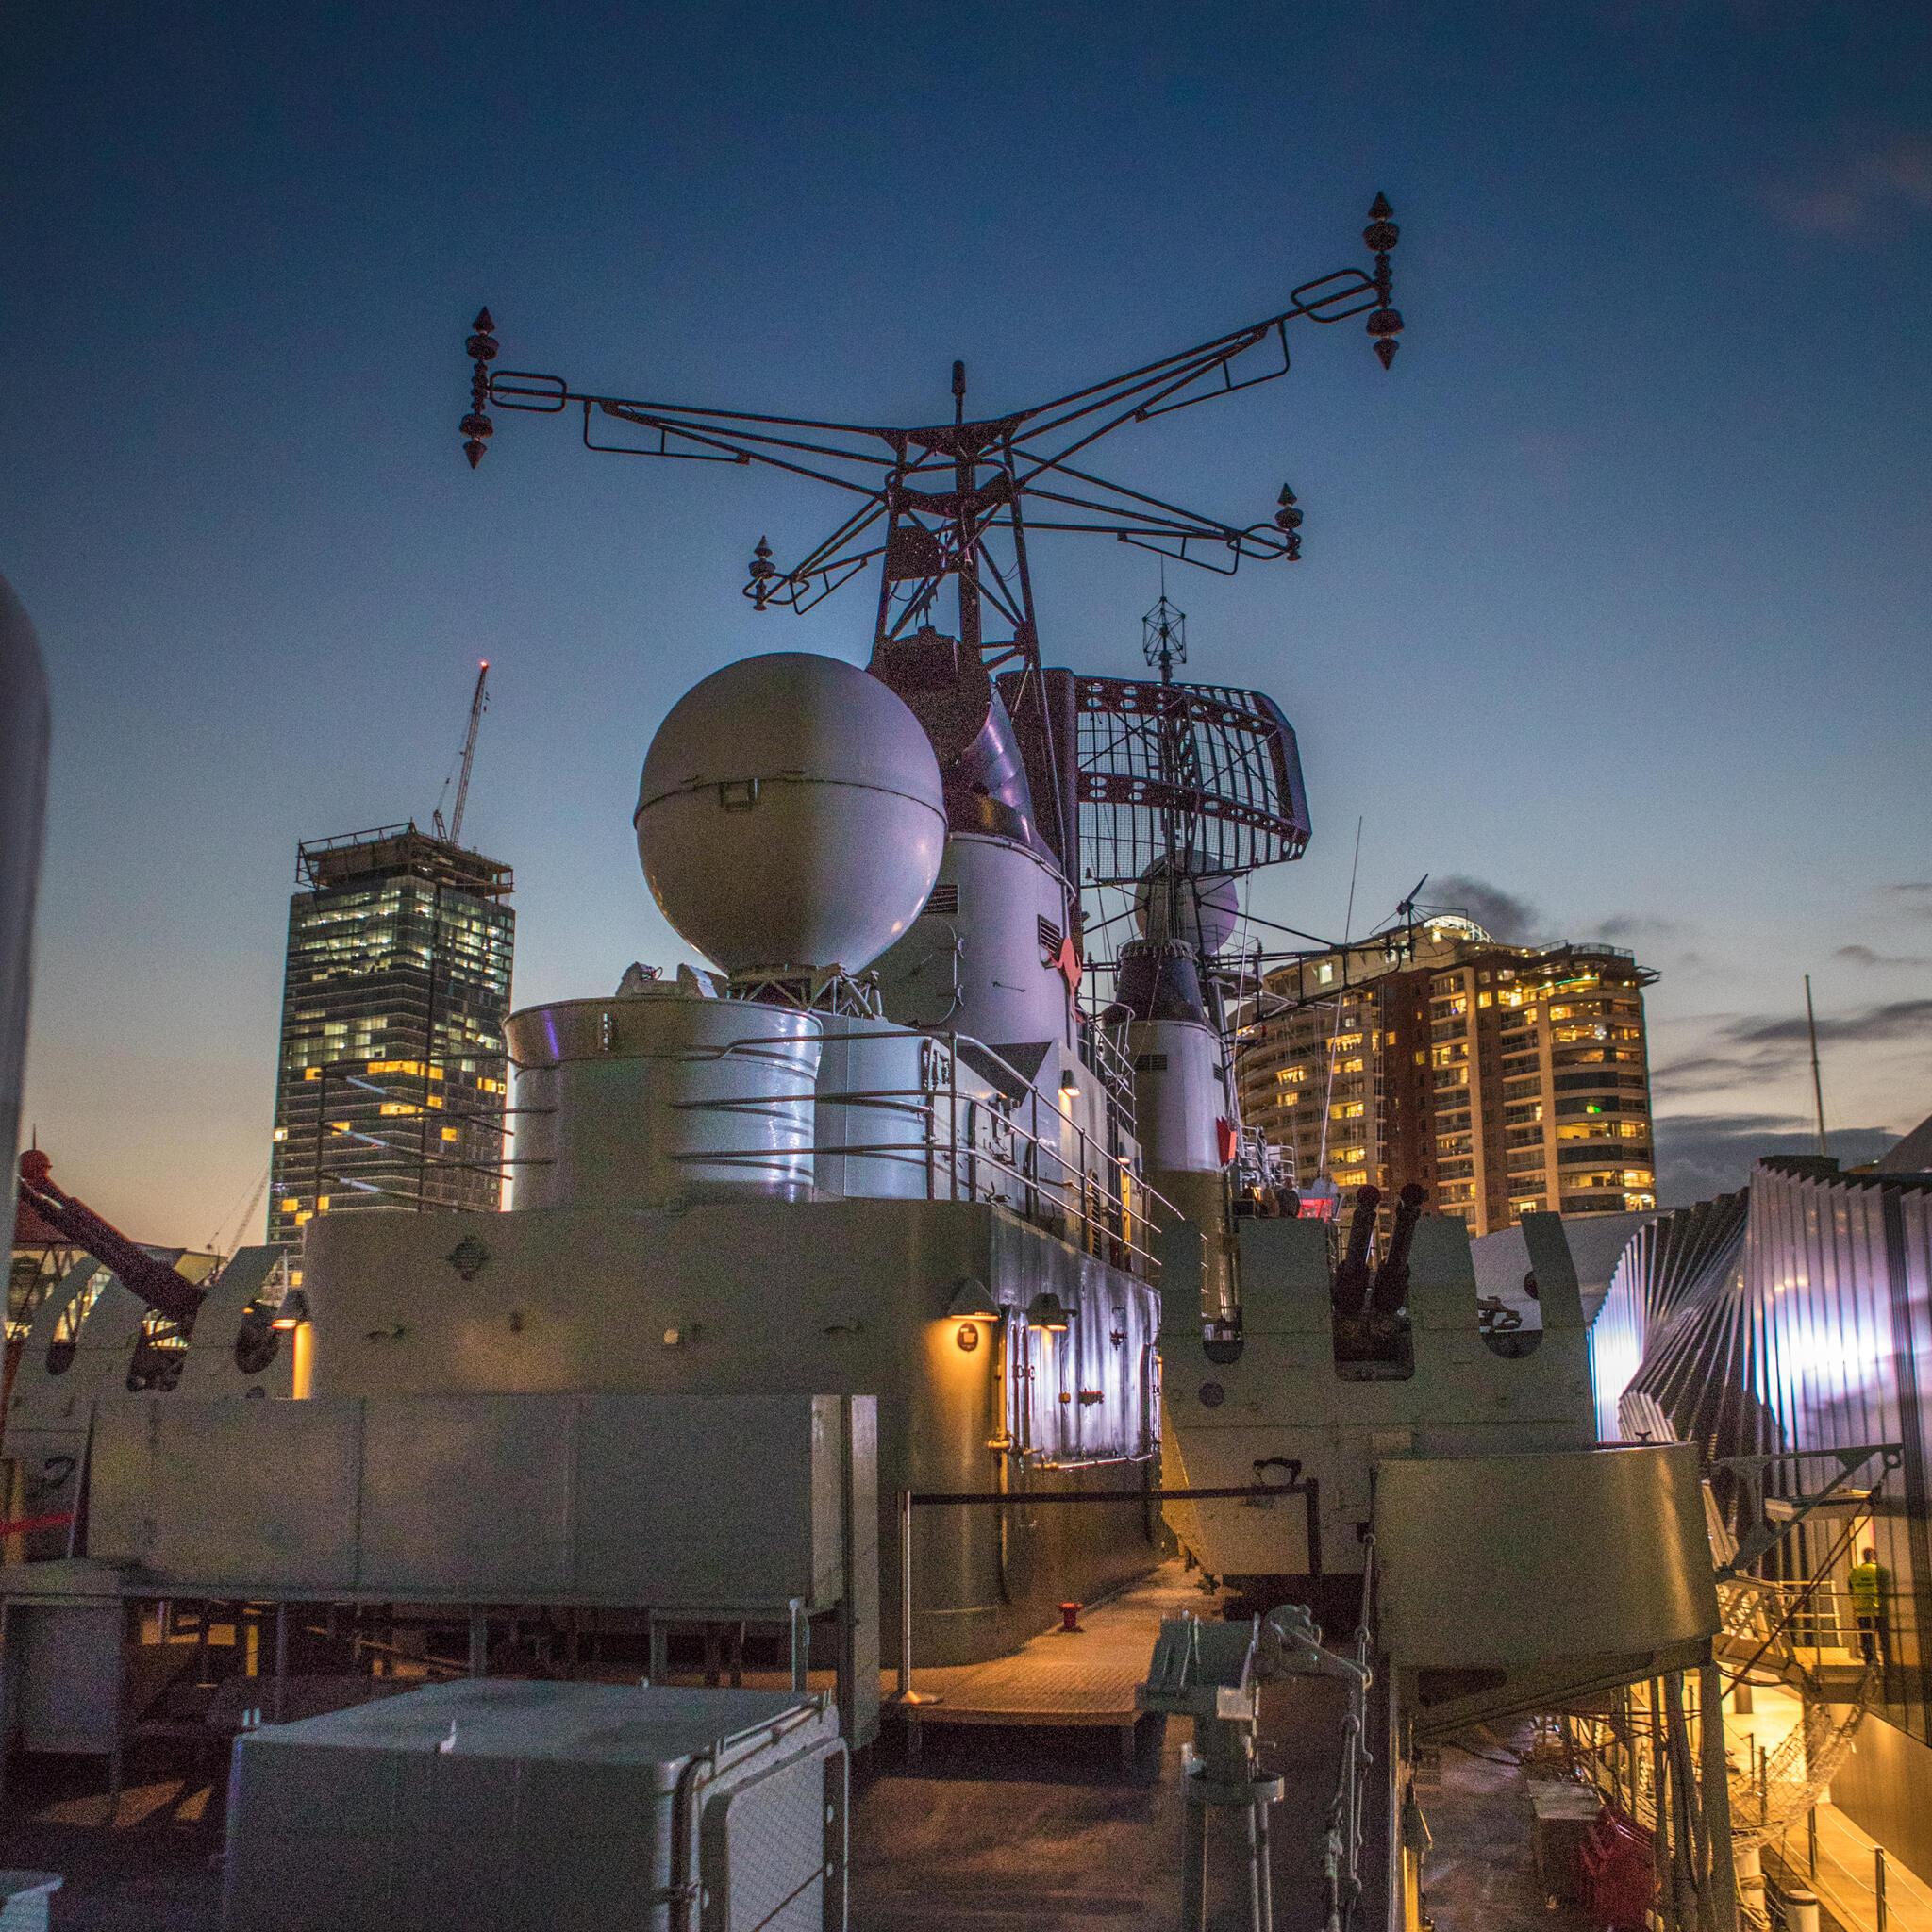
[{"x": 1614, "y": 596}]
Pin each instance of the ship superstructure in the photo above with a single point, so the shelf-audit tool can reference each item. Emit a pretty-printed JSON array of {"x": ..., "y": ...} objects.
[{"x": 861, "y": 1275}]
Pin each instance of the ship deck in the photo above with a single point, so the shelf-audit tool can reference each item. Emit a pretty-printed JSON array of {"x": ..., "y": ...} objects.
[
  {"x": 1079, "y": 1680},
  {"x": 1019, "y": 1814}
]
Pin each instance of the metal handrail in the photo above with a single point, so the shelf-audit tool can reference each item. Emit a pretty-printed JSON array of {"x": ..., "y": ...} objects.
[
  {"x": 1342, "y": 1854},
  {"x": 1071, "y": 1190},
  {"x": 1073, "y": 1185},
  {"x": 748, "y": 1042}
]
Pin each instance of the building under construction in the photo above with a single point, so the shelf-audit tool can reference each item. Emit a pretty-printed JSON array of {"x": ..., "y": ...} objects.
[{"x": 389, "y": 1079}]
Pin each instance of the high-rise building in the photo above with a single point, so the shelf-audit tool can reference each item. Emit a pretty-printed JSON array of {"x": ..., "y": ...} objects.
[
  {"x": 390, "y": 1082},
  {"x": 1505, "y": 1079}
]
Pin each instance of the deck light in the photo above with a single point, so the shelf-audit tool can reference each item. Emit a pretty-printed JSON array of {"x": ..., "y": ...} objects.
[
  {"x": 972, "y": 1302},
  {"x": 293, "y": 1311},
  {"x": 1046, "y": 1311}
]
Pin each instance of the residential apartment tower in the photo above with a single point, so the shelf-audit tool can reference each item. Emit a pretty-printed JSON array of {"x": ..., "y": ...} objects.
[{"x": 1505, "y": 1079}]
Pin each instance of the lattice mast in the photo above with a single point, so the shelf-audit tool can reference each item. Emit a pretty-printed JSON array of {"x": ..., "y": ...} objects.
[{"x": 962, "y": 499}]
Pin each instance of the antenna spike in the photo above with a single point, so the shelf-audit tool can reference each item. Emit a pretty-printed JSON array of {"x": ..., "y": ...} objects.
[{"x": 477, "y": 429}]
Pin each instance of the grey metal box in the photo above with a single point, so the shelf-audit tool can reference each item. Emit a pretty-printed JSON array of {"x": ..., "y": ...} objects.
[
  {"x": 468, "y": 1495},
  {"x": 714, "y": 1499},
  {"x": 499, "y": 1806},
  {"x": 224, "y": 1489},
  {"x": 671, "y": 1501}
]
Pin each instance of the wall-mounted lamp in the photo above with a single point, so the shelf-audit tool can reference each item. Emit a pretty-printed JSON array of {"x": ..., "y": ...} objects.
[
  {"x": 293, "y": 1311},
  {"x": 1046, "y": 1311},
  {"x": 972, "y": 1302}
]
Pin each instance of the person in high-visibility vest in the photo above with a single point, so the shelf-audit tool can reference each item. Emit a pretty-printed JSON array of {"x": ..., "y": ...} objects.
[{"x": 1871, "y": 1582}]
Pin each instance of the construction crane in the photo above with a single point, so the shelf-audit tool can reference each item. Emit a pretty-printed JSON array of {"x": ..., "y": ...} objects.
[{"x": 479, "y": 703}]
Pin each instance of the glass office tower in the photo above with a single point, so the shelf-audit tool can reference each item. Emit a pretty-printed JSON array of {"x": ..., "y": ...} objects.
[{"x": 391, "y": 1079}]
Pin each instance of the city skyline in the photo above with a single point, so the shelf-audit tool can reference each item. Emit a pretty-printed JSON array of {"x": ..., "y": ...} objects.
[{"x": 1611, "y": 611}]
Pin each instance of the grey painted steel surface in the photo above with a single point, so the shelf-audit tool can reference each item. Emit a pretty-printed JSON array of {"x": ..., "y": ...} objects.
[
  {"x": 1284, "y": 1396},
  {"x": 876, "y": 1082},
  {"x": 807, "y": 1296},
  {"x": 499, "y": 1806},
  {"x": 1180, "y": 1093},
  {"x": 60, "y": 1671},
  {"x": 1595, "y": 1243},
  {"x": 47, "y": 1414},
  {"x": 1201, "y": 910},
  {"x": 25, "y": 723},
  {"x": 660, "y": 1096},
  {"x": 728, "y": 1502},
  {"x": 790, "y": 815},
  {"x": 1505, "y": 1561},
  {"x": 980, "y": 967},
  {"x": 211, "y": 1366}
]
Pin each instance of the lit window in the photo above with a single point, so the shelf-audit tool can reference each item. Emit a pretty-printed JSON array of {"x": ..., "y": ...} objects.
[
  {"x": 289, "y": 1206},
  {"x": 322, "y": 1204},
  {"x": 311, "y": 1072},
  {"x": 281, "y": 1133},
  {"x": 449, "y": 1133}
]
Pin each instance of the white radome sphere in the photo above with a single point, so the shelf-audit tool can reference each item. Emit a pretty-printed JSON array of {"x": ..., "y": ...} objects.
[
  {"x": 1205, "y": 911},
  {"x": 791, "y": 816}
]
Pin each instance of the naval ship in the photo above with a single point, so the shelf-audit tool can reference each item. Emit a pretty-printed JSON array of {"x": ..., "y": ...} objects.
[{"x": 890, "y": 1285}]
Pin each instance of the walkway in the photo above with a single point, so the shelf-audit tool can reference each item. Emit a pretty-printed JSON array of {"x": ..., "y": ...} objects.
[
  {"x": 1059, "y": 1680},
  {"x": 1846, "y": 1877}
]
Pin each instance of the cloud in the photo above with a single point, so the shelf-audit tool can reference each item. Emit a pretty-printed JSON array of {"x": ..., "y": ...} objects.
[
  {"x": 1699, "y": 1155},
  {"x": 1864, "y": 956},
  {"x": 1908, "y": 1020},
  {"x": 1857, "y": 197},
  {"x": 1914, "y": 899},
  {"x": 1702, "y": 1072},
  {"x": 1500, "y": 913},
  {"x": 1638, "y": 926}
]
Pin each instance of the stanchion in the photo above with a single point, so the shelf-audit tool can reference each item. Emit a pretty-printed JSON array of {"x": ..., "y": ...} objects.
[{"x": 903, "y": 1694}]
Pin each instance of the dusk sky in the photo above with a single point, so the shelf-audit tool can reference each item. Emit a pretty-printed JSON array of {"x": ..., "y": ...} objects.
[{"x": 1613, "y": 609}]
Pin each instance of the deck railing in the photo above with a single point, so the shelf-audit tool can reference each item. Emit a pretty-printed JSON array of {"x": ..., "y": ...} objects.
[{"x": 1100, "y": 1195}]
